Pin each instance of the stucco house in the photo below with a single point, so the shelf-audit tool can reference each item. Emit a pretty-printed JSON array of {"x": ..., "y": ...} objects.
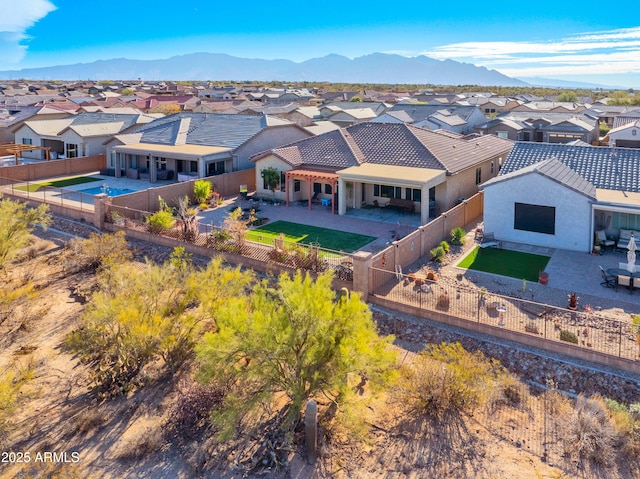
[
  {"x": 195, "y": 145},
  {"x": 558, "y": 195},
  {"x": 456, "y": 118},
  {"x": 626, "y": 135},
  {"x": 383, "y": 164},
  {"x": 83, "y": 134}
]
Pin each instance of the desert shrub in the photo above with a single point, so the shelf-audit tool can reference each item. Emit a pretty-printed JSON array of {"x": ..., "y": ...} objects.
[
  {"x": 626, "y": 420},
  {"x": 437, "y": 254},
  {"x": 432, "y": 276},
  {"x": 443, "y": 300},
  {"x": 18, "y": 220},
  {"x": 147, "y": 442},
  {"x": 445, "y": 380},
  {"x": 201, "y": 191},
  {"x": 445, "y": 246},
  {"x": 531, "y": 327},
  {"x": 457, "y": 236},
  {"x": 88, "y": 420},
  {"x": 588, "y": 432},
  {"x": 11, "y": 382},
  {"x": 98, "y": 250},
  {"x": 509, "y": 391},
  {"x": 192, "y": 410},
  {"x": 160, "y": 221},
  {"x": 569, "y": 337}
]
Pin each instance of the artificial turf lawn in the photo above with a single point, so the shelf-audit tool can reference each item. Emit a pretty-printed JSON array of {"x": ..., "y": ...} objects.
[
  {"x": 77, "y": 180},
  {"x": 295, "y": 232},
  {"x": 505, "y": 262}
]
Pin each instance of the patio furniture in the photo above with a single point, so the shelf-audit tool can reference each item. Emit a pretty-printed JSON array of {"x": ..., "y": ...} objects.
[
  {"x": 608, "y": 280},
  {"x": 406, "y": 206},
  {"x": 625, "y": 236},
  {"x": 626, "y": 281},
  {"x": 326, "y": 201},
  {"x": 603, "y": 241},
  {"x": 489, "y": 240}
]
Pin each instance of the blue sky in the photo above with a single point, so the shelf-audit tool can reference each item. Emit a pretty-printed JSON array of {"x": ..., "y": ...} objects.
[{"x": 585, "y": 41}]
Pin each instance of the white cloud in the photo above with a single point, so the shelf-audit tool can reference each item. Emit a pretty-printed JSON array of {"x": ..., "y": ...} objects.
[
  {"x": 606, "y": 52},
  {"x": 15, "y": 20}
]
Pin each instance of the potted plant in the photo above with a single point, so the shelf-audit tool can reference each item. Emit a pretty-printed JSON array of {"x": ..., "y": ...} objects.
[{"x": 573, "y": 301}]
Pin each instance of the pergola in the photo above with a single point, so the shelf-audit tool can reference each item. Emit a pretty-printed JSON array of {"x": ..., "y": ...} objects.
[
  {"x": 16, "y": 149},
  {"x": 310, "y": 176}
]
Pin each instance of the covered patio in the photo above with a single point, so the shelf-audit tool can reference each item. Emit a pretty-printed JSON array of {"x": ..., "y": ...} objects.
[
  {"x": 312, "y": 178},
  {"x": 387, "y": 185}
]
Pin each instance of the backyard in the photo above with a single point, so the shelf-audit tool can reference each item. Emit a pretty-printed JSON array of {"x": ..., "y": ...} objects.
[
  {"x": 77, "y": 180},
  {"x": 304, "y": 234},
  {"x": 514, "y": 264}
]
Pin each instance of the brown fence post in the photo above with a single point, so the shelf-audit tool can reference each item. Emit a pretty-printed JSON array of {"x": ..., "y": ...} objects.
[
  {"x": 99, "y": 208},
  {"x": 361, "y": 265}
]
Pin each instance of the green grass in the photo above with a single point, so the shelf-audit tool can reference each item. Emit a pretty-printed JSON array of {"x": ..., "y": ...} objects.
[
  {"x": 77, "y": 180},
  {"x": 303, "y": 234},
  {"x": 505, "y": 262}
]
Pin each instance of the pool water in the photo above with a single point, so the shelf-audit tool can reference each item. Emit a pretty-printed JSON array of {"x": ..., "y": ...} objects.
[{"x": 109, "y": 191}]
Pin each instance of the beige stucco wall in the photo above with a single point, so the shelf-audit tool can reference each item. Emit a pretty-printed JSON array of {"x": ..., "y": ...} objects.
[
  {"x": 25, "y": 132},
  {"x": 267, "y": 139}
]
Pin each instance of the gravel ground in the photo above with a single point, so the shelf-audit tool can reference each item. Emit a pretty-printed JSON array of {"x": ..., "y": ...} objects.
[{"x": 534, "y": 366}]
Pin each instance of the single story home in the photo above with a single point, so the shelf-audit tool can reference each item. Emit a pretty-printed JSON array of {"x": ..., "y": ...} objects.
[
  {"x": 558, "y": 195},
  {"x": 196, "y": 145},
  {"x": 381, "y": 164}
]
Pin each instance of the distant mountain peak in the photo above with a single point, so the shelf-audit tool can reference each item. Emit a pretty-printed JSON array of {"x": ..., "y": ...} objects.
[{"x": 372, "y": 68}]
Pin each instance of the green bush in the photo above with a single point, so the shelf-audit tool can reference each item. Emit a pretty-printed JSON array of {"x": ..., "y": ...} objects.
[
  {"x": 437, "y": 254},
  {"x": 568, "y": 336},
  {"x": 457, "y": 236},
  {"x": 445, "y": 246},
  {"x": 202, "y": 191},
  {"x": 160, "y": 221}
]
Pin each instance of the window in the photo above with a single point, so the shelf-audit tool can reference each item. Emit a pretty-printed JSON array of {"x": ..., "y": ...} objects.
[
  {"x": 283, "y": 181},
  {"x": 327, "y": 189},
  {"x": 535, "y": 218},
  {"x": 376, "y": 190},
  {"x": 296, "y": 185},
  {"x": 194, "y": 166},
  {"x": 492, "y": 167},
  {"x": 478, "y": 176},
  {"x": 216, "y": 168},
  {"x": 72, "y": 150},
  {"x": 416, "y": 194},
  {"x": 317, "y": 188},
  {"x": 386, "y": 191},
  {"x": 27, "y": 141},
  {"x": 502, "y": 134},
  {"x": 161, "y": 163}
]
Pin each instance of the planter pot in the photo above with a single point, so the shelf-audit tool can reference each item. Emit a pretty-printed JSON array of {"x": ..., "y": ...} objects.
[{"x": 543, "y": 277}]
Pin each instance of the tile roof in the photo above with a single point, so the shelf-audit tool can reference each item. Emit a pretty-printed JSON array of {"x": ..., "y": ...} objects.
[
  {"x": 394, "y": 144},
  {"x": 208, "y": 129},
  {"x": 605, "y": 167},
  {"x": 555, "y": 171},
  {"x": 421, "y": 112}
]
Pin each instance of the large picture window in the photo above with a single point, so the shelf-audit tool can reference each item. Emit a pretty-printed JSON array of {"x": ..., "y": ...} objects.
[{"x": 536, "y": 218}]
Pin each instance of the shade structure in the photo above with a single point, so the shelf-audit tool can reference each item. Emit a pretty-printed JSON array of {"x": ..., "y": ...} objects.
[{"x": 631, "y": 255}]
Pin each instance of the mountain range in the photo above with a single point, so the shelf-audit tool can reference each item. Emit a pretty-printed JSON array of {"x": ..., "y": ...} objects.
[{"x": 373, "y": 68}]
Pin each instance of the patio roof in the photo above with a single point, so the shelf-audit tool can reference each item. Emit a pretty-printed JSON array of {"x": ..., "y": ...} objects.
[
  {"x": 629, "y": 199},
  {"x": 399, "y": 175},
  {"x": 312, "y": 174},
  {"x": 174, "y": 151}
]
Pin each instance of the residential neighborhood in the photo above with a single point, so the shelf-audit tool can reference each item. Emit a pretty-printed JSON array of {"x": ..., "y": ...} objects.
[{"x": 308, "y": 280}]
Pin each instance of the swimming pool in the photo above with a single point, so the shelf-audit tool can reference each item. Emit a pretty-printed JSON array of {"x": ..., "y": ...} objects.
[{"x": 108, "y": 190}]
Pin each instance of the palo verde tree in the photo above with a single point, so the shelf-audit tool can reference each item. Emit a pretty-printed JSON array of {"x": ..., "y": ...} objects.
[
  {"x": 298, "y": 339},
  {"x": 17, "y": 221},
  {"x": 140, "y": 315}
]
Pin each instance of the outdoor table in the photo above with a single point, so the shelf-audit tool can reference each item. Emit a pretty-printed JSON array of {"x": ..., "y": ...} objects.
[
  {"x": 623, "y": 272},
  {"x": 326, "y": 201}
]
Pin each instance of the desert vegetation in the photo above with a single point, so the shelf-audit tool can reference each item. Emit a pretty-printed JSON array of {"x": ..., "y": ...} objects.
[{"x": 187, "y": 367}]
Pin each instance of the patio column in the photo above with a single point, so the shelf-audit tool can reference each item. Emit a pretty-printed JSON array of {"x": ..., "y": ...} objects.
[
  {"x": 424, "y": 204},
  {"x": 153, "y": 173},
  {"x": 309, "y": 188},
  {"x": 342, "y": 197}
]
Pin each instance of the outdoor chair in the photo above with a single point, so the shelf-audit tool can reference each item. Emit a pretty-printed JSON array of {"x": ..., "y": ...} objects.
[
  {"x": 608, "y": 280},
  {"x": 625, "y": 281},
  {"x": 603, "y": 241}
]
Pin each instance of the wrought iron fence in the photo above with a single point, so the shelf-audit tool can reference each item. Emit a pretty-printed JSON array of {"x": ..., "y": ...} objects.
[
  {"x": 586, "y": 329},
  {"x": 37, "y": 191},
  {"x": 289, "y": 254}
]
